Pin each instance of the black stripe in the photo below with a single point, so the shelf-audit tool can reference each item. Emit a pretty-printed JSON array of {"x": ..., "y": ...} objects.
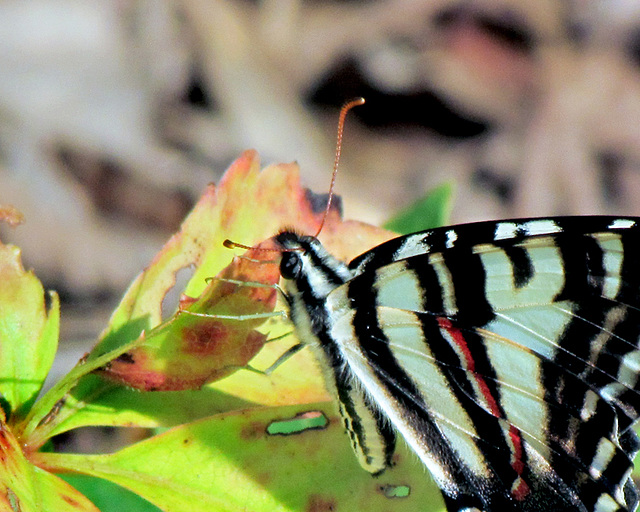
[
  {"x": 583, "y": 266},
  {"x": 328, "y": 272},
  {"x": 357, "y": 432},
  {"x": 468, "y": 279},
  {"x": 584, "y": 280},
  {"x": 584, "y": 270},
  {"x": 344, "y": 384},
  {"x": 602, "y": 424},
  {"x": 609, "y": 364},
  {"x": 468, "y": 235},
  {"x": 521, "y": 265},
  {"x": 615, "y": 471}
]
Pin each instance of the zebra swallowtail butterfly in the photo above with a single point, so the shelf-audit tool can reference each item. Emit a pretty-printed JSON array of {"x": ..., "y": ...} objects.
[{"x": 504, "y": 353}]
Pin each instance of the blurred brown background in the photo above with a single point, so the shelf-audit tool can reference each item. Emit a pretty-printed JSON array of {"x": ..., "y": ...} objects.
[{"x": 114, "y": 115}]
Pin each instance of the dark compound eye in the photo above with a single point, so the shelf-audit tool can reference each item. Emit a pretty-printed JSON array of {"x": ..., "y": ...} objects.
[{"x": 290, "y": 265}]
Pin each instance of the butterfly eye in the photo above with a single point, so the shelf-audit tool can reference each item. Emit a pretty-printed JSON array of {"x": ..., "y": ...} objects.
[{"x": 290, "y": 265}]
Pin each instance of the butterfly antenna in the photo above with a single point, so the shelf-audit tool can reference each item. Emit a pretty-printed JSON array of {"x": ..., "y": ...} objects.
[
  {"x": 230, "y": 244},
  {"x": 343, "y": 114}
]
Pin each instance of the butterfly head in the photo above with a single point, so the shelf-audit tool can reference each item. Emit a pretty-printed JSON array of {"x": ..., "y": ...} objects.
[
  {"x": 297, "y": 251},
  {"x": 306, "y": 265}
]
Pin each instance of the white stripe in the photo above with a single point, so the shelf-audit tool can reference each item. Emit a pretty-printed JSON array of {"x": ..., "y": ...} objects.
[
  {"x": 589, "y": 405},
  {"x": 519, "y": 379},
  {"x": 611, "y": 391},
  {"x": 629, "y": 369},
  {"x": 547, "y": 280},
  {"x": 603, "y": 456},
  {"x": 612, "y": 319},
  {"x": 413, "y": 245},
  {"x": 541, "y": 227},
  {"x": 505, "y": 230},
  {"x": 452, "y": 236},
  {"x": 537, "y": 327},
  {"x": 606, "y": 503},
  {"x": 446, "y": 284},
  {"x": 611, "y": 244},
  {"x": 622, "y": 224}
]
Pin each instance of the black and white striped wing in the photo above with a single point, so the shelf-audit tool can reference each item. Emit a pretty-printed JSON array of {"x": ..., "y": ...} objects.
[
  {"x": 509, "y": 366},
  {"x": 505, "y": 354}
]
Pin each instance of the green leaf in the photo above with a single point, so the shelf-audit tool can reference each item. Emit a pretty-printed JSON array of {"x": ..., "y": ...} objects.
[
  {"x": 107, "y": 496},
  {"x": 230, "y": 462},
  {"x": 432, "y": 211},
  {"x": 120, "y": 406},
  {"x": 28, "y": 334},
  {"x": 95, "y": 403},
  {"x": 51, "y": 407}
]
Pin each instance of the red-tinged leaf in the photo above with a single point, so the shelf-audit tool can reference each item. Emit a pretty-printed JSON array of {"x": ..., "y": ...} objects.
[
  {"x": 190, "y": 350},
  {"x": 26, "y": 488},
  {"x": 28, "y": 334},
  {"x": 248, "y": 206}
]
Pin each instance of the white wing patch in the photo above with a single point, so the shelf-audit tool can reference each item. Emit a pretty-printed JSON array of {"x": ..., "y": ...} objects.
[
  {"x": 398, "y": 288},
  {"x": 612, "y": 261},
  {"x": 508, "y": 230},
  {"x": 519, "y": 377},
  {"x": 622, "y": 224},
  {"x": 544, "y": 285}
]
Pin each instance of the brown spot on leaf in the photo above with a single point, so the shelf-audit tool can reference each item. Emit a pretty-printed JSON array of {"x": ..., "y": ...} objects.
[
  {"x": 71, "y": 501},
  {"x": 204, "y": 337},
  {"x": 320, "y": 504},
  {"x": 264, "y": 479},
  {"x": 252, "y": 431}
]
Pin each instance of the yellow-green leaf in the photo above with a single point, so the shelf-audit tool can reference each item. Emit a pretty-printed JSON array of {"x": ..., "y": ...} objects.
[
  {"x": 28, "y": 334},
  {"x": 248, "y": 461}
]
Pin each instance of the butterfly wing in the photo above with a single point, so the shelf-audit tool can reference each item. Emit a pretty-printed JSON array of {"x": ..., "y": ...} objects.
[
  {"x": 478, "y": 457},
  {"x": 510, "y": 368}
]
